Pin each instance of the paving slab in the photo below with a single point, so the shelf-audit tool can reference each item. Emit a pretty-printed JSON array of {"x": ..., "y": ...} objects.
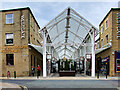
[{"x": 9, "y": 85}]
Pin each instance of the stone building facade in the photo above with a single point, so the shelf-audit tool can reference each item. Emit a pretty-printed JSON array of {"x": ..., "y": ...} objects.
[
  {"x": 19, "y": 38},
  {"x": 108, "y": 45}
]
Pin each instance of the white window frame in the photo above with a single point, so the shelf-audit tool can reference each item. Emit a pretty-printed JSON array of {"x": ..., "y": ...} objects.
[
  {"x": 6, "y": 18},
  {"x": 106, "y": 27},
  {"x": 9, "y": 38},
  {"x": 101, "y": 29}
]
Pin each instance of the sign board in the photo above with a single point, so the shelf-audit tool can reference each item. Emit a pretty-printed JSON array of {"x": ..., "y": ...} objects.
[
  {"x": 22, "y": 27},
  {"x": 118, "y": 25},
  {"x": 49, "y": 56},
  {"x": 88, "y": 56}
]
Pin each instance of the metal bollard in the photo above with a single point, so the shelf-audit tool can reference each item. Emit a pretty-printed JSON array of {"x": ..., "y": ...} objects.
[
  {"x": 106, "y": 74},
  {"x": 14, "y": 74},
  {"x": 98, "y": 74}
]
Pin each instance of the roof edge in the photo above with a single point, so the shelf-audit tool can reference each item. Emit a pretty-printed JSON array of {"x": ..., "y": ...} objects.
[
  {"x": 108, "y": 14},
  {"x": 15, "y": 9}
]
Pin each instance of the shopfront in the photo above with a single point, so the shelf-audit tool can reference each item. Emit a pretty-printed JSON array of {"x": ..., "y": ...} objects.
[
  {"x": 105, "y": 66},
  {"x": 117, "y": 59}
]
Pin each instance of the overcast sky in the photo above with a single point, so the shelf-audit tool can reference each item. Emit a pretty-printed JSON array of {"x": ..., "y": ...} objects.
[{"x": 43, "y": 11}]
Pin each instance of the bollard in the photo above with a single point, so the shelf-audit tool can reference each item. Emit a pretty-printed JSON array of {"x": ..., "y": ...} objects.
[
  {"x": 106, "y": 74},
  {"x": 14, "y": 74},
  {"x": 98, "y": 74}
]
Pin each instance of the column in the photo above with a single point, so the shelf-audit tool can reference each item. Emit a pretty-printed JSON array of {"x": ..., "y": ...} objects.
[
  {"x": 85, "y": 61},
  {"x": 93, "y": 53},
  {"x": 44, "y": 54}
]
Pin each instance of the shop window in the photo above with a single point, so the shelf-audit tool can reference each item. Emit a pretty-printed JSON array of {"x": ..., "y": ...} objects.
[
  {"x": 106, "y": 24},
  {"x": 9, "y": 59},
  {"x": 9, "y": 18},
  {"x": 9, "y": 38},
  {"x": 107, "y": 39},
  {"x": 118, "y": 65}
]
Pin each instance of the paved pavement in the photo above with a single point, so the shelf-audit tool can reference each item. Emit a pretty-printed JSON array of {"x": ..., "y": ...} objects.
[
  {"x": 9, "y": 85},
  {"x": 56, "y": 77}
]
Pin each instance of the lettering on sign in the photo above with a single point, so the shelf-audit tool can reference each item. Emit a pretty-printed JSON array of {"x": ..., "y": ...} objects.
[
  {"x": 14, "y": 49},
  {"x": 11, "y": 51},
  {"x": 118, "y": 25},
  {"x": 22, "y": 27}
]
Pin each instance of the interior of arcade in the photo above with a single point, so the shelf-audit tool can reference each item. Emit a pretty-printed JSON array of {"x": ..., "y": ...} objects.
[{"x": 69, "y": 45}]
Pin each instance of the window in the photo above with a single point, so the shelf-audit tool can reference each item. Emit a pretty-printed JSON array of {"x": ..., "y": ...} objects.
[
  {"x": 101, "y": 29},
  {"x": 106, "y": 24},
  {"x": 102, "y": 42},
  {"x": 107, "y": 39},
  {"x": 34, "y": 61},
  {"x": 9, "y": 59},
  {"x": 98, "y": 44},
  {"x": 31, "y": 60},
  {"x": 9, "y": 18},
  {"x": 9, "y": 38}
]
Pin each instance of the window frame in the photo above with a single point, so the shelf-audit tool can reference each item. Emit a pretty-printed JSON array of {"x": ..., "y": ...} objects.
[
  {"x": 101, "y": 29},
  {"x": 98, "y": 44},
  {"x": 9, "y": 18},
  {"x": 7, "y": 62},
  {"x": 107, "y": 38},
  {"x": 102, "y": 42},
  {"x": 9, "y": 38},
  {"x": 106, "y": 26}
]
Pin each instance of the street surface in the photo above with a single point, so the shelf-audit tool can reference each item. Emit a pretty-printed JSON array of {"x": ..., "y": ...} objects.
[{"x": 65, "y": 83}]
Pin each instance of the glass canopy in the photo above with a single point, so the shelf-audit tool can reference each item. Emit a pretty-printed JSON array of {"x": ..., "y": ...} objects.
[{"x": 67, "y": 32}]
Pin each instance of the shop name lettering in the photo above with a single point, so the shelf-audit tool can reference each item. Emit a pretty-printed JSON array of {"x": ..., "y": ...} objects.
[
  {"x": 15, "y": 47},
  {"x": 12, "y": 49},
  {"x": 118, "y": 25},
  {"x": 22, "y": 27}
]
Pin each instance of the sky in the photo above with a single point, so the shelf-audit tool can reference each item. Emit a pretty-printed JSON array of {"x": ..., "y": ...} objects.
[{"x": 44, "y": 10}]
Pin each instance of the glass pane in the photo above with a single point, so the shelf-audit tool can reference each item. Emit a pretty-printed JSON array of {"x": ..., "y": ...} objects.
[
  {"x": 9, "y": 18},
  {"x": 9, "y": 41},
  {"x": 9, "y": 36},
  {"x": 9, "y": 59}
]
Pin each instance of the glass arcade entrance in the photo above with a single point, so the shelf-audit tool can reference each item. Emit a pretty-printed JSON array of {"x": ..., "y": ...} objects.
[{"x": 69, "y": 37}]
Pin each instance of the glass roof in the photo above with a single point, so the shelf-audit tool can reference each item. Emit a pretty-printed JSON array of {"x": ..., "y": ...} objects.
[{"x": 67, "y": 29}]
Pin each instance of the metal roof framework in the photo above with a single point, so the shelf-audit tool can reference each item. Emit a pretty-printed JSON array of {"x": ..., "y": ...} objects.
[{"x": 67, "y": 32}]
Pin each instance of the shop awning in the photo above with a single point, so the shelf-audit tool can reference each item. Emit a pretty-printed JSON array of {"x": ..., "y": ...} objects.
[
  {"x": 36, "y": 47},
  {"x": 102, "y": 49}
]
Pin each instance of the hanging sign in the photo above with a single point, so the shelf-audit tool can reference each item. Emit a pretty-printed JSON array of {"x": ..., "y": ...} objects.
[
  {"x": 88, "y": 56},
  {"x": 22, "y": 27},
  {"x": 49, "y": 56}
]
